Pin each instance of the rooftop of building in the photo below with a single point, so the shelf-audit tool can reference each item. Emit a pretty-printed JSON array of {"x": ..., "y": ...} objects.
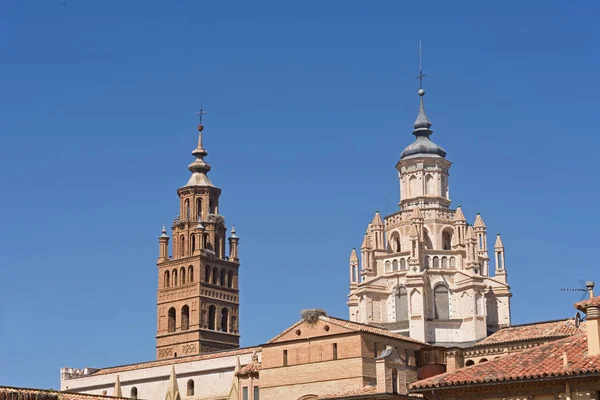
[
  {"x": 7, "y": 392},
  {"x": 175, "y": 361},
  {"x": 544, "y": 330},
  {"x": 561, "y": 358},
  {"x": 353, "y": 326}
]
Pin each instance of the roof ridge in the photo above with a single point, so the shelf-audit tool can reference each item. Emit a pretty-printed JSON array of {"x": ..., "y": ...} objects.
[
  {"x": 537, "y": 323},
  {"x": 178, "y": 360}
]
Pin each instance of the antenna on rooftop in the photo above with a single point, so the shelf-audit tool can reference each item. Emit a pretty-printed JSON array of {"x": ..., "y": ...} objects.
[{"x": 587, "y": 287}]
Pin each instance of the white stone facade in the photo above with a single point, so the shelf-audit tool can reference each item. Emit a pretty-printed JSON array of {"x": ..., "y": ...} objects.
[
  {"x": 424, "y": 270},
  {"x": 212, "y": 376}
]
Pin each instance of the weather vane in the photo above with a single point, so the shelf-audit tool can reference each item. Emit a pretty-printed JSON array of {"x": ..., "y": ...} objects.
[
  {"x": 421, "y": 75},
  {"x": 201, "y": 113}
]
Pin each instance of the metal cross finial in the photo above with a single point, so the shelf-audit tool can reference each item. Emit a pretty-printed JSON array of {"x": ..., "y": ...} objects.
[
  {"x": 421, "y": 75},
  {"x": 201, "y": 113}
]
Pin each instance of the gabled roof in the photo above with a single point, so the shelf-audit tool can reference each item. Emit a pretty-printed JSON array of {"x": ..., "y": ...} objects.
[
  {"x": 543, "y": 362},
  {"x": 27, "y": 393},
  {"x": 350, "y": 326},
  {"x": 537, "y": 331}
]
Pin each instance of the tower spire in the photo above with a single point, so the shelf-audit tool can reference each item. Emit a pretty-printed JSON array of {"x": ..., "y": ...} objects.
[
  {"x": 422, "y": 145},
  {"x": 422, "y": 124},
  {"x": 421, "y": 76},
  {"x": 199, "y": 168}
]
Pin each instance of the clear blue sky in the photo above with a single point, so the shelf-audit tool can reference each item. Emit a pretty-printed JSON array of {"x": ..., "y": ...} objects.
[{"x": 309, "y": 106}]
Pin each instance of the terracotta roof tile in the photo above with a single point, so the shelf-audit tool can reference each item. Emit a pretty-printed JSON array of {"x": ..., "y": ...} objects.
[
  {"x": 583, "y": 305},
  {"x": 174, "y": 361},
  {"x": 542, "y": 330},
  {"x": 49, "y": 394},
  {"x": 252, "y": 368},
  {"x": 540, "y": 362}
]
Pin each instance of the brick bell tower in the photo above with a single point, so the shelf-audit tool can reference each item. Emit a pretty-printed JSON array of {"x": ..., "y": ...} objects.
[{"x": 198, "y": 294}]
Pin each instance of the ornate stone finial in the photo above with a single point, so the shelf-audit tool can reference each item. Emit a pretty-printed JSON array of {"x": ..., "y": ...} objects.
[
  {"x": 353, "y": 256},
  {"x": 311, "y": 316},
  {"x": 377, "y": 221},
  {"x": 233, "y": 233},
  {"x": 479, "y": 224},
  {"x": 254, "y": 356},
  {"x": 498, "y": 245},
  {"x": 163, "y": 232},
  {"x": 117, "y": 390},
  {"x": 172, "y": 388}
]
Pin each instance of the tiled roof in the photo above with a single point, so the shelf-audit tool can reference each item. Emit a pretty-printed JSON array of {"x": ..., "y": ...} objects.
[
  {"x": 353, "y": 392},
  {"x": 174, "y": 361},
  {"x": 252, "y": 368},
  {"x": 354, "y": 326},
  {"x": 583, "y": 305},
  {"x": 542, "y": 330},
  {"x": 545, "y": 361},
  {"x": 7, "y": 392}
]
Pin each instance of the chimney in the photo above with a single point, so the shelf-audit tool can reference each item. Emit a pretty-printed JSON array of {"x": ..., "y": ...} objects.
[{"x": 591, "y": 308}]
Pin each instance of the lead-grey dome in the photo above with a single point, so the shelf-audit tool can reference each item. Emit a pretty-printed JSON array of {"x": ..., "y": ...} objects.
[{"x": 423, "y": 146}]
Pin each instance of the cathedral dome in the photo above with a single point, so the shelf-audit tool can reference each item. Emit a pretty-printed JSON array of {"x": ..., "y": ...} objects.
[{"x": 422, "y": 146}]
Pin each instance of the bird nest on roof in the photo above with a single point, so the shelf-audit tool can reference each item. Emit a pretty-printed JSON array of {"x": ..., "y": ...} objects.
[{"x": 312, "y": 316}]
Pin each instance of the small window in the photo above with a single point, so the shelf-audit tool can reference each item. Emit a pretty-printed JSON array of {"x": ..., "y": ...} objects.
[
  {"x": 256, "y": 393},
  {"x": 190, "y": 274},
  {"x": 212, "y": 311},
  {"x": 133, "y": 393},
  {"x": 185, "y": 318},
  {"x": 285, "y": 358},
  {"x": 469, "y": 363},
  {"x": 245, "y": 393},
  {"x": 207, "y": 274},
  {"x": 190, "y": 387},
  {"x": 335, "y": 356},
  {"x": 225, "y": 320},
  {"x": 171, "y": 320}
]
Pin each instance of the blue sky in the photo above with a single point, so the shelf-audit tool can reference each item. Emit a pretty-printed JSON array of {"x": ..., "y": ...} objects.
[{"x": 309, "y": 106}]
